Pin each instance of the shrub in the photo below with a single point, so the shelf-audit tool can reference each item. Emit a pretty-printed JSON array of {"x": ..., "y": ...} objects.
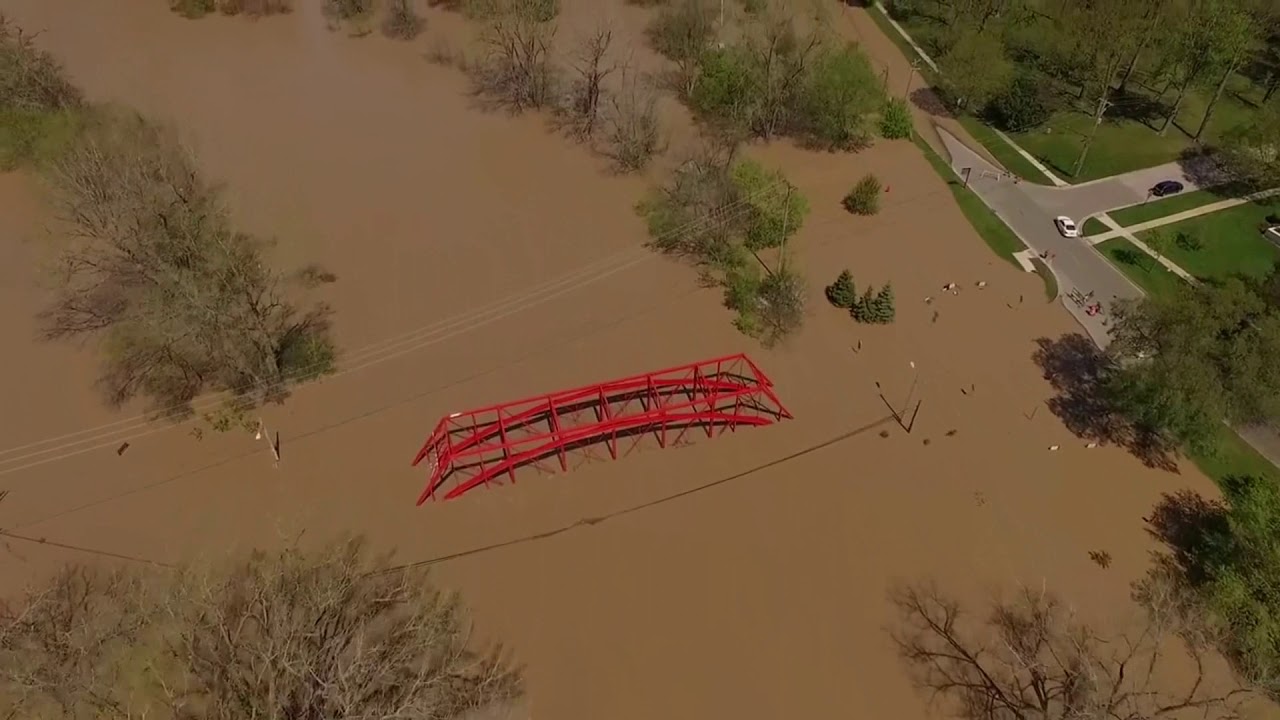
[
  {"x": 839, "y": 95},
  {"x": 1024, "y": 105},
  {"x": 536, "y": 10},
  {"x": 842, "y": 293},
  {"x": 255, "y": 7},
  {"x": 864, "y": 198},
  {"x": 895, "y": 121},
  {"x": 401, "y": 21},
  {"x": 346, "y": 10},
  {"x": 193, "y": 8},
  {"x": 632, "y": 131}
]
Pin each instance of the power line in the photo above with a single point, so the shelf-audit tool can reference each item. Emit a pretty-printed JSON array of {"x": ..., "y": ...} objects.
[
  {"x": 376, "y": 353},
  {"x": 880, "y": 221}
]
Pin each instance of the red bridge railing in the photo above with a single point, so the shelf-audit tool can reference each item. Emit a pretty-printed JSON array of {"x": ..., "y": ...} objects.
[{"x": 472, "y": 448}]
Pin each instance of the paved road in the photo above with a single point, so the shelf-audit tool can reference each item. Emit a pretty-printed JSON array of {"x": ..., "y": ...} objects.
[{"x": 1074, "y": 262}]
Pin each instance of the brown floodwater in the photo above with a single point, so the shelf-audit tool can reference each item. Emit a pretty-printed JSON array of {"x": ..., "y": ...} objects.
[{"x": 481, "y": 258}]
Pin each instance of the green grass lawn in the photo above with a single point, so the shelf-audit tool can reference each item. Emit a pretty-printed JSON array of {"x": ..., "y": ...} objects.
[
  {"x": 1231, "y": 242},
  {"x": 1234, "y": 456},
  {"x": 1156, "y": 208},
  {"x": 997, "y": 235},
  {"x": 1093, "y": 226},
  {"x": 1140, "y": 267},
  {"x": 1120, "y": 146},
  {"x": 1127, "y": 139}
]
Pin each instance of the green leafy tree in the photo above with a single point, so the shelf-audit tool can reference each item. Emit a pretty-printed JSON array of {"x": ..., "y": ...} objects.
[
  {"x": 776, "y": 210},
  {"x": 1238, "y": 28},
  {"x": 975, "y": 69},
  {"x": 1241, "y": 566},
  {"x": 1208, "y": 38},
  {"x": 1025, "y": 104},
  {"x": 727, "y": 92},
  {"x": 840, "y": 96},
  {"x": 842, "y": 293},
  {"x": 732, "y": 220},
  {"x": 1251, "y": 152},
  {"x": 1190, "y": 361},
  {"x": 895, "y": 121},
  {"x": 864, "y": 198}
]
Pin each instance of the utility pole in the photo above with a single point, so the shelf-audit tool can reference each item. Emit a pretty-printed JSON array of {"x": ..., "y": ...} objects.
[
  {"x": 915, "y": 65},
  {"x": 1097, "y": 121}
]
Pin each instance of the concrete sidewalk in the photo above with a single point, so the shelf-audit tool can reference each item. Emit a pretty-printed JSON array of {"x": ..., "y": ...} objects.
[{"x": 1180, "y": 216}]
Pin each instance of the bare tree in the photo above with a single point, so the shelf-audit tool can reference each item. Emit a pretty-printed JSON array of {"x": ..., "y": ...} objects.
[
  {"x": 683, "y": 32},
  {"x": 591, "y": 67},
  {"x": 1033, "y": 660},
  {"x": 31, "y": 80},
  {"x": 182, "y": 302},
  {"x": 632, "y": 131},
  {"x": 67, "y": 649},
  {"x": 335, "y": 634},
  {"x": 515, "y": 69}
]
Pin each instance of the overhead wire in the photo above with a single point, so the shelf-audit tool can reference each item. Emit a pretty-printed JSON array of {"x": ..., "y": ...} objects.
[{"x": 387, "y": 349}]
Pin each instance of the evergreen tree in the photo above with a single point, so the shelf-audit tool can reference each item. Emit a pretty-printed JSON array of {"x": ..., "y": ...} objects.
[
  {"x": 842, "y": 292},
  {"x": 884, "y": 309},
  {"x": 862, "y": 308}
]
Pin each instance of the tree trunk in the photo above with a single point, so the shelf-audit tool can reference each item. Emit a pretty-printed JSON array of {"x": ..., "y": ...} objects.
[
  {"x": 1103, "y": 103},
  {"x": 1133, "y": 65},
  {"x": 1177, "y": 105},
  {"x": 1217, "y": 94}
]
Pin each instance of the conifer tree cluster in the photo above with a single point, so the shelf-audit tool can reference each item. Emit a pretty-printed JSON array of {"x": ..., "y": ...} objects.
[{"x": 876, "y": 307}]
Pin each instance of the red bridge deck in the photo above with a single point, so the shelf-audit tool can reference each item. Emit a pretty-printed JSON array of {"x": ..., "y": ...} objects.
[{"x": 469, "y": 449}]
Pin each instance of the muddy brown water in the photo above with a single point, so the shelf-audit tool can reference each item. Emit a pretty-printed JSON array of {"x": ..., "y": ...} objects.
[{"x": 743, "y": 576}]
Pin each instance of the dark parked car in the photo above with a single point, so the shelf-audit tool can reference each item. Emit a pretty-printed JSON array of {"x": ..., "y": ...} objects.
[{"x": 1166, "y": 187}]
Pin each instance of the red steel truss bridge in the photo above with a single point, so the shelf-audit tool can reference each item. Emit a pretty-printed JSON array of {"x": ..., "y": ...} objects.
[{"x": 472, "y": 448}]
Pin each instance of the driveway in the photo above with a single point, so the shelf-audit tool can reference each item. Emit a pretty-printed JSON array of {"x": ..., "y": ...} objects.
[{"x": 1074, "y": 262}]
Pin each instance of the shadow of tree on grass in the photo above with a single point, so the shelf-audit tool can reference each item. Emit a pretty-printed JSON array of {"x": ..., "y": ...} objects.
[{"x": 1077, "y": 370}]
